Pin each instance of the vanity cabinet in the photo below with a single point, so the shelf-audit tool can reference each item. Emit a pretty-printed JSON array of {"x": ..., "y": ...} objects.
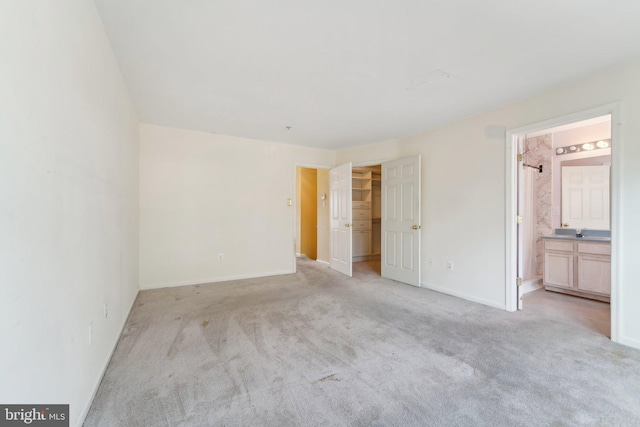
[{"x": 581, "y": 268}]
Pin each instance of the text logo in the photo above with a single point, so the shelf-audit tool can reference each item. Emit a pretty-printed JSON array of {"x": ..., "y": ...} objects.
[{"x": 34, "y": 415}]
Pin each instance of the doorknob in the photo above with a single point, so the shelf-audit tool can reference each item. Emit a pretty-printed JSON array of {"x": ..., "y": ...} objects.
[
  {"x": 565, "y": 225},
  {"x": 416, "y": 227},
  {"x": 347, "y": 225}
]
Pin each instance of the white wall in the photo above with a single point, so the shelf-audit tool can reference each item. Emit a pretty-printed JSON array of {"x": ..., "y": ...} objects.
[
  {"x": 463, "y": 190},
  {"x": 324, "y": 216},
  {"x": 298, "y": 206},
  {"x": 202, "y": 194},
  {"x": 68, "y": 202}
]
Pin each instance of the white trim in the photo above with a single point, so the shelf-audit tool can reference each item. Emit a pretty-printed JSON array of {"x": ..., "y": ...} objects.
[
  {"x": 631, "y": 342},
  {"x": 530, "y": 286},
  {"x": 616, "y": 222},
  {"x": 511, "y": 202},
  {"x": 371, "y": 163},
  {"x": 215, "y": 280},
  {"x": 511, "y": 211},
  {"x": 85, "y": 411},
  {"x": 462, "y": 295},
  {"x": 324, "y": 263},
  {"x": 312, "y": 166}
]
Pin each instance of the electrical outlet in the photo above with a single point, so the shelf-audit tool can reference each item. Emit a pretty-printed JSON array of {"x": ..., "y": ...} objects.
[
  {"x": 106, "y": 311},
  {"x": 220, "y": 256},
  {"x": 450, "y": 265}
]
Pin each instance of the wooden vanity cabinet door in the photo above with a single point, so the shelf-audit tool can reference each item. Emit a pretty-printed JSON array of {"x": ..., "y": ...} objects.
[
  {"x": 594, "y": 274},
  {"x": 594, "y": 268},
  {"x": 558, "y": 270}
]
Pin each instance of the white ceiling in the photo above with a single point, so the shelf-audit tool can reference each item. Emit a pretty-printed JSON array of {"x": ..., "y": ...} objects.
[{"x": 352, "y": 72}]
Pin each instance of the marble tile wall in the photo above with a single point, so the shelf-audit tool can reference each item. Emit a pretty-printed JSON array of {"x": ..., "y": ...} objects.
[{"x": 538, "y": 151}]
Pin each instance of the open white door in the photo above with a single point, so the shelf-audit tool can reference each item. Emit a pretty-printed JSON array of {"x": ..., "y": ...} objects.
[
  {"x": 401, "y": 220},
  {"x": 519, "y": 221},
  {"x": 340, "y": 205}
]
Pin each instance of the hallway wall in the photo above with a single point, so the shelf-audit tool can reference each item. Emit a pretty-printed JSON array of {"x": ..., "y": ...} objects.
[{"x": 308, "y": 212}]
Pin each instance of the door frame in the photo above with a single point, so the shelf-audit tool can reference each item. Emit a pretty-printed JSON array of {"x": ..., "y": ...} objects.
[
  {"x": 294, "y": 202},
  {"x": 511, "y": 194}
]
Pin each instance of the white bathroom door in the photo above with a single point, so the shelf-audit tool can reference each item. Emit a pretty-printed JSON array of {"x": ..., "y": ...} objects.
[
  {"x": 341, "y": 240},
  {"x": 585, "y": 197},
  {"x": 401, "y": 220}
]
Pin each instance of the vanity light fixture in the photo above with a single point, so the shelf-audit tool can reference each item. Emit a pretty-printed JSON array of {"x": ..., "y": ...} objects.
[{"x": 587, "y": 146}]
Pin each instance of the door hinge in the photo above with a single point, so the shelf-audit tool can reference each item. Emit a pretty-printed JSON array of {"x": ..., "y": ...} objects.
[
  {"x": 519, "y": 281},
  {"x": 519, "y": 219},
  {"x": 520, "y": 157}
]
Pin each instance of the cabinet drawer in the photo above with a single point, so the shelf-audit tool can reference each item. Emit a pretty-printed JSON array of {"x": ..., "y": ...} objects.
[
  {"x": 361, "y": 205},
  {"x": 361, "y": 214},
  {"x": 594, "y": 248},
  {"x": 361, "y": 243},
  {"x": 554, "y": 245},
  {"x": 362, "y": 225}
]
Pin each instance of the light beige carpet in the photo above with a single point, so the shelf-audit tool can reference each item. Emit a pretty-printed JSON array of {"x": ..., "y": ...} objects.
[{"x": 317, "y": 348}]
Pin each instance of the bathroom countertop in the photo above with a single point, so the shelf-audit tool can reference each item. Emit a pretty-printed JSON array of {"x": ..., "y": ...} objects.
[{"x": 584, "y": 239}]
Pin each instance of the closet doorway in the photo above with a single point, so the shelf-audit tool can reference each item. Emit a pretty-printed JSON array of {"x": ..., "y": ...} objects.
[
  {"x": 385, "y": 193},
  {"x": 352, "y": 212},
  {"x": 367, "y": 214}
]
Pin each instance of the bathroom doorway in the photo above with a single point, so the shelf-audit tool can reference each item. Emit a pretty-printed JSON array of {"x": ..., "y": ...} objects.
[{"x": 553, "y": 272}]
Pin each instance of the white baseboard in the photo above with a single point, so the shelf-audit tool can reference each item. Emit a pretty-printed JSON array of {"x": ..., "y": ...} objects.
[
  {"x": 83, "y": 415},
  {"x": 323, "y": 262},
  {"x": 531, "y": 286},
  {"x": 214, "y": 280},
  {"x": 631, "y": 342},
  {"x": 463, "y": 296}
]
